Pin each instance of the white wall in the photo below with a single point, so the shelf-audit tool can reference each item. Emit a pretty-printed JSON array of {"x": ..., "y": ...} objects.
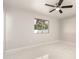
[
  {"x": 68, "y": 29},
  {"x": 19, "y": 29}
]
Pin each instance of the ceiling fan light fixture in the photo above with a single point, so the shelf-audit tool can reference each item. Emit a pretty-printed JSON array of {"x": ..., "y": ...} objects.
[
  {"x": 57, "y": 9},
  {"x": 58, "y": 6}
]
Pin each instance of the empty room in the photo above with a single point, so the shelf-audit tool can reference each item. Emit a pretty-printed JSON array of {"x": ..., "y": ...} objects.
[{"x": 40, "y": 29}]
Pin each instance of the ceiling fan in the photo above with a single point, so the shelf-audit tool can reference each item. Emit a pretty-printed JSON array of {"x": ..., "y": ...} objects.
[{"x": 58, "y": 6}]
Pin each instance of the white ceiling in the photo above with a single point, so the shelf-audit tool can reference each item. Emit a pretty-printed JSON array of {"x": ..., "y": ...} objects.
[{"x": 39, "y": 6}]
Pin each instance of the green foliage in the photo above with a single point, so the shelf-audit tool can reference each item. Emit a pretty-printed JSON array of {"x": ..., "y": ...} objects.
[{"x": 40, "y": 25}]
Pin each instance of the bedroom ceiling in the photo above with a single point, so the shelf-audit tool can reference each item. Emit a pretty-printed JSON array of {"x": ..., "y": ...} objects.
[{"x": 39, "y": 7}]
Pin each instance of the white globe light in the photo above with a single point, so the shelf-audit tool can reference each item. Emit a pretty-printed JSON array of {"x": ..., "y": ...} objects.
[{"x": 57, "y": 8}]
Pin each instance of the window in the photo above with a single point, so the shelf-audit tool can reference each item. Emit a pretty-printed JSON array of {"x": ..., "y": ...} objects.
[{"x": 40, "y": 26}]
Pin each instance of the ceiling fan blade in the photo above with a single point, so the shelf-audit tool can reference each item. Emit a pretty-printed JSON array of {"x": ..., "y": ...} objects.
[
  {"x": 52, "y": 10},
  {"x": 68, "y": 6},
  {"x": 59, "y": 3},
  {"x": 50, "y": 5},
  {"x": 60, "y": 11}
]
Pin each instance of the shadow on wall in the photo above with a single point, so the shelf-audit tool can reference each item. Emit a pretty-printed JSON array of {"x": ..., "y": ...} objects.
[{"x": 68, "y": 29}]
